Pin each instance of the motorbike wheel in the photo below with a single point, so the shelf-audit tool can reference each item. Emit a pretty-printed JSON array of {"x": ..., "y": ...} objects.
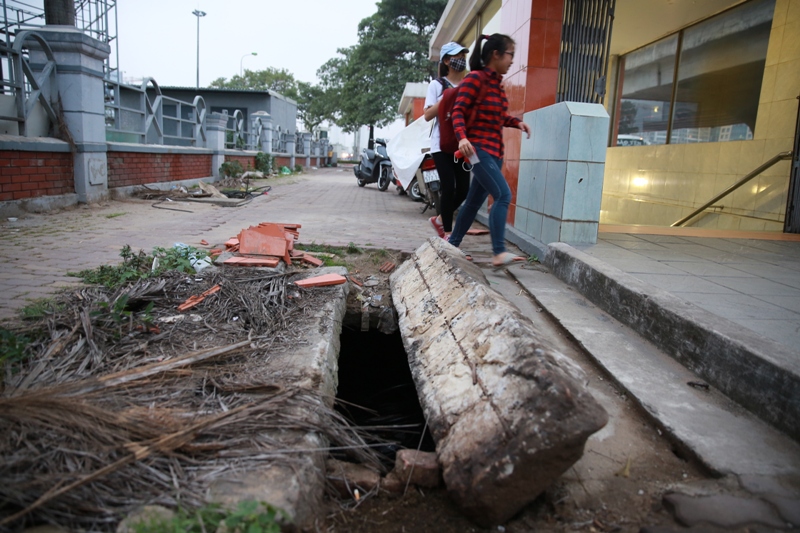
[
  {"x": 361, "y": 182},
  {"x": 413, "y": 191},
  {"x": 384, "y": 179}
]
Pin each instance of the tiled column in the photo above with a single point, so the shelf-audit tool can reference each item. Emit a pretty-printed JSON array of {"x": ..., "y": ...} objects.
[
  {"x": 532, "y": 81},
  {"x": 79, "y": 59},
  {"x": 265, "y": 141},
  {"x": 307, "y": 148},
  {"x": 561, "y": 174},
  {"x": 215, "y": 140}
]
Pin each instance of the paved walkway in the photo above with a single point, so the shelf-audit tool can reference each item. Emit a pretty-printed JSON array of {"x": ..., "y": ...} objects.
[
  {"x": 753, "y": 282},
  {"x": 38, "y": 250}
]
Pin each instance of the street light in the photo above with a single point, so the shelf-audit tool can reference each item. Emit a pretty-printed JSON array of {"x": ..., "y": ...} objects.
[
  {"x": 242, "y": 59},
  {"x": 197, "y": 13}
]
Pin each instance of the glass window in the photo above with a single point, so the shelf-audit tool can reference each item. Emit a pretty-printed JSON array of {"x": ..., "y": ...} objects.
[
  {"x": 646, "y": 91},
  {"x": 715, "y": 97},
  {"x": 719, "y": 75}
]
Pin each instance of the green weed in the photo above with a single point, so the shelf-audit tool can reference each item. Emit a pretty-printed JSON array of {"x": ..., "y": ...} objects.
[
  {"x": 353, "y": 249},
  {"x": 39, "y": 308},
  {"x": 115, "y": 215},
  {"x": 12, "y": 347},
  {"x": 248, "y": 517},
  {"x": 140, "y": 265}
]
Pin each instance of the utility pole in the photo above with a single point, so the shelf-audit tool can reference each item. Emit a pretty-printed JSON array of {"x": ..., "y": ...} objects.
[{"x": 197, "y": 13}]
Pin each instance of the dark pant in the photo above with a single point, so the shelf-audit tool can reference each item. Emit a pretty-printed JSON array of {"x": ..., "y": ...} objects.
[{"x": 455, "y": 184}]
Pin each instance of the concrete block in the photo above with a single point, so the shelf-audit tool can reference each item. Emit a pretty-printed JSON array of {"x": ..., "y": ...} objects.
[
  {"x": 583, "y": 191},
  {"x": 554, "y": 189},
  {"x": 508, "y": 412},
  {"x": 552, "y": 133},
  {"x": 345, "y": 477},
  {"x": 417, "y": 468}
]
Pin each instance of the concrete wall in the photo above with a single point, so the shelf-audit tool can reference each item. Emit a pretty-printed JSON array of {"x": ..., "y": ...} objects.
[{"x": 658, "y": 185}]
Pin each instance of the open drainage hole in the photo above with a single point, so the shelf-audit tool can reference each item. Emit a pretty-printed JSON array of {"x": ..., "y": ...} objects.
[{"x": 377, "y": 393}]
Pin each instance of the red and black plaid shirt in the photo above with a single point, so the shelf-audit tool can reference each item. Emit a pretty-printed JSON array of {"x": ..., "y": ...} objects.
[{"x": 486, "y": 131}]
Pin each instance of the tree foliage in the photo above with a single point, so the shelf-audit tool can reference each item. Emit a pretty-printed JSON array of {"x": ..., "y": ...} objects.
[
  {"x": 365, "y": 82},
  {"x": 312, "y": 103},
  {"x": 279, "y": 80}
]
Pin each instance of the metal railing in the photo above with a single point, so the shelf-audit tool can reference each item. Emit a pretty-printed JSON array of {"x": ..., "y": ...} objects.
[
  {"x": 780, "y": 157},
  {"x": 235, "y": 135},
  {"x": 132, "y": 116},
  {"x": 29, "y": 87},
  {"x": 299, "y": 144}
]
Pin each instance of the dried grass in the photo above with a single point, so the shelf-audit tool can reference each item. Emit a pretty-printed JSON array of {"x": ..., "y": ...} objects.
[{"x": 106, "y": 417}]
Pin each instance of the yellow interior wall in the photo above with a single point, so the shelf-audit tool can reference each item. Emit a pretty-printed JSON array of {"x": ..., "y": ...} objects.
[{"x": 657, "y": 185}]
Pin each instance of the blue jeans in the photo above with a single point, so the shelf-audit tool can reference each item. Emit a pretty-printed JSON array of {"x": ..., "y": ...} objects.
[{"x": 486, "y": 179}]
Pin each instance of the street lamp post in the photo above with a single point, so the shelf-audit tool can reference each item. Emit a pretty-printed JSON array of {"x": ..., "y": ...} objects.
[
  {"x": 197, "y": 13},
  {"x": 241, "y": 72}
]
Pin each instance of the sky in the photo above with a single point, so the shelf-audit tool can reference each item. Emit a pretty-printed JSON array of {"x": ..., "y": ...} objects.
[{"x": 158, "y": 38}]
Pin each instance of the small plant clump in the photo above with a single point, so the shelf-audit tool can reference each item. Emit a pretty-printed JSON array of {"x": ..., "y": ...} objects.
[
  {"x": 12, "y": 347},
  {"x": 248, "y": 517},
  {"x": 265, "y": 163},
  {"x": 231, "y": 169},
  {"x": 140, "y": 265}
]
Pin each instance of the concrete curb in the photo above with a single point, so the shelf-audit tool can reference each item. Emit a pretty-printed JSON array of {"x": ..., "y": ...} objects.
[{"x": 761, "y": 375}]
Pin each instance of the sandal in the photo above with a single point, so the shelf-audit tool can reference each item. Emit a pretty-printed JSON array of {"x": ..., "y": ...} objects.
[{"x": 506, "y": 259}]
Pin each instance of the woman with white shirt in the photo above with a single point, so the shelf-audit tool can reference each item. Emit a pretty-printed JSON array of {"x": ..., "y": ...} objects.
[{"x": 453, "y": 177}]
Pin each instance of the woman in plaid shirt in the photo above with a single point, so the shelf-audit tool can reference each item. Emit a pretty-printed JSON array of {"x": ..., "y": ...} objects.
[{"x": 483, "y": 138}]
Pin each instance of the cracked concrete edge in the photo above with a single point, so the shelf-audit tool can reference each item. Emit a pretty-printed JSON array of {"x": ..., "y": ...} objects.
[
  {"x": 758, "y": 373},
  {"x": 299, "y": 489}
]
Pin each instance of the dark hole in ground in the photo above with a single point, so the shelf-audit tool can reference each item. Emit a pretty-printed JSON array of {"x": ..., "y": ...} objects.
[{"x": 374, "y": 375}]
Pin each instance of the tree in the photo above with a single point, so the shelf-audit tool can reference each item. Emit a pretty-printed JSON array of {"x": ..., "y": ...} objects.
[
  {"x": 365, "y": 82},
  {"x": 60, "y": 12},
  {"x": 279, "y": 80},
  {"x": 313, "y": 105}
]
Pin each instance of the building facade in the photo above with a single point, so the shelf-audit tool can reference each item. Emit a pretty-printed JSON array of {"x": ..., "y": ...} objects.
[{"x": 699, "y": 94}]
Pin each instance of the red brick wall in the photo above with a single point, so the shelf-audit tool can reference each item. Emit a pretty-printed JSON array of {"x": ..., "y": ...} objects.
[
  {"x": 283, "y": 162},
  {"x": 31, "y": 174},
  {"x": 134, "y": 168},
  {"x": 247, "y": 162}
]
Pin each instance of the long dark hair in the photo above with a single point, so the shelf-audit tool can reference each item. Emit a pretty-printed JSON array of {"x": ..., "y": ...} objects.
[
  {"x": 482, "y": 55},
  {"x": 444, "y": 70}
]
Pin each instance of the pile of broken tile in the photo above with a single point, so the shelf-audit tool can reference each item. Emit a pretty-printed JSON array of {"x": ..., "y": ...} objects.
[{"x": 269, "y": 243}]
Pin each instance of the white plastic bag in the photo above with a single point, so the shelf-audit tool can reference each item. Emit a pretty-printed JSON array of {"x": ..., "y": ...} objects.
[{"x": 406, "y": 149}]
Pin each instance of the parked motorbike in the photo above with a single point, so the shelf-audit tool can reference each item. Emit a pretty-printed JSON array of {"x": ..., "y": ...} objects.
[
  {"x": 375, "y": 166},
  {"x": 426, "y": 187}
]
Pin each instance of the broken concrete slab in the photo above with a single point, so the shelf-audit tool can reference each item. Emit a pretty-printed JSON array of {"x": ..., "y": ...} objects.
[
  {"x": 311, "y": 366},
  {"x": 721, "y": 510},
  {"x": 509, "y": 413},
  {"x": 417, "y": 468},
  {"x": 346, "y": 477}
]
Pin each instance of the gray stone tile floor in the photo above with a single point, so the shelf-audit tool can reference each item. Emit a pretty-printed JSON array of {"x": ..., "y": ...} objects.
[{"x": 754, "y": 283}]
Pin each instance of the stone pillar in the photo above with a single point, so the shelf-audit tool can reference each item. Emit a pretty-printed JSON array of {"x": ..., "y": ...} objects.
[
  {"x": 215, "y": 140},
  {"x": 290, "y": 140},
  {"x": 561, "y": 174},
  {"x": 80, "y": 83},
  {"x": 307, "y": 148},
  {"x": 265, "y": 141}
]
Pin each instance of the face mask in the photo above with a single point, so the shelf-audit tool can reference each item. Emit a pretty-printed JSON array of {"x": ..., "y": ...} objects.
[{"x": 458, "y": 64}]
